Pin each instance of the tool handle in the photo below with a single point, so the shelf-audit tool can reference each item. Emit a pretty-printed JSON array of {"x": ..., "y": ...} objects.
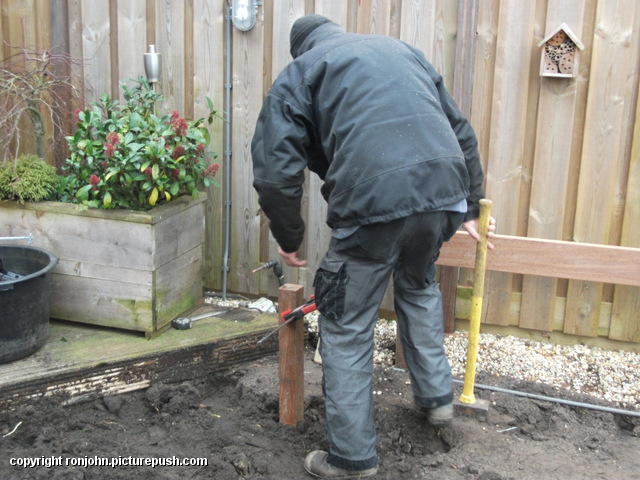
[{"x": 299, "y": 312}]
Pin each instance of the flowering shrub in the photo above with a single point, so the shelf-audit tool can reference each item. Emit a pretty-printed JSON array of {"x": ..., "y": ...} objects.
[{"x": 126, "y": 156}]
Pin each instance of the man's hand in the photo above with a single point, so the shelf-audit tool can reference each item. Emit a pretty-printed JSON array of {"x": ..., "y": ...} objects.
[
  {"x": 292, "y": 259},
  {"x": 472, "y": 228}
]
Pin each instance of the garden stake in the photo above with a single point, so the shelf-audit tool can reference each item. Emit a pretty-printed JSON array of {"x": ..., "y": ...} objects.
[{"x": 467, "y": 403}]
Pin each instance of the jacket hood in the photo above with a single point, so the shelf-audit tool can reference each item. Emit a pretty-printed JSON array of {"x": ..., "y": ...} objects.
[{"x": 305, "y": 36}]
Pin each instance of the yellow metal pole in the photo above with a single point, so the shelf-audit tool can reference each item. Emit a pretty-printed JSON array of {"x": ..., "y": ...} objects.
[{"x": 467, "y": 395}]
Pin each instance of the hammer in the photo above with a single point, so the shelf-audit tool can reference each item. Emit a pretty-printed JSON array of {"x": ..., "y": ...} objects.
[
  {"x": 467, "y": 404},
  {"x": 185, "y": 323}
]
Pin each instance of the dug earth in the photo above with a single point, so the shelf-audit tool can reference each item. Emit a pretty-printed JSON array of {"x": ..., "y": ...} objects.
[{"x": 231, "y": 420}]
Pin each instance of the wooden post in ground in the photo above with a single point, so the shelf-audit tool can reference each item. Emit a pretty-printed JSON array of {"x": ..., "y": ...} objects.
[{"x": 291, "y": 357}]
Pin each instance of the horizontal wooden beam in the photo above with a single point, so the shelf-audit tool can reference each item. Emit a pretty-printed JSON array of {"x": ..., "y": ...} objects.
[{"x": 548, "y": 258}]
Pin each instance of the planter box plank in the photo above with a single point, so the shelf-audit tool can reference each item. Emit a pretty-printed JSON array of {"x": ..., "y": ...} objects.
[
  {"x": 96, "y": 302},
  {"x": 178, "y": 286},
  {"x": 105, "y": 272},
  {"x": 178, "y": 234},
  {"x": 123, "y": 269}
]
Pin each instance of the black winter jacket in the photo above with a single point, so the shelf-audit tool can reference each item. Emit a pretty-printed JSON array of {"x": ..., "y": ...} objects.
[{"x": 372, "y": 118}]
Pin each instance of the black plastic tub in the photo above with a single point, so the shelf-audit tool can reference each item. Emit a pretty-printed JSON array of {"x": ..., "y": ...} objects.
[{"x": 25, "y": 292}]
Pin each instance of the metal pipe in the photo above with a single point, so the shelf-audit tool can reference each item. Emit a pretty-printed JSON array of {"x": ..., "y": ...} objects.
[
  {"x": 616, "y": 411},
  {"x": 28, "y": 238},
  {"x": 227, "y": 152}
]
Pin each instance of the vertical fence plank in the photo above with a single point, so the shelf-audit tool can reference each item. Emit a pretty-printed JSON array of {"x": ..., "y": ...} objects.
[
  {"x": 462, "y": 90},
  {"x": 131, "y": 40},
  {"x": 248, "y": 77},
  {"x": 208, "y": 81},
  {"x": 598, "y": 205},
  {"x": 625, "y": 314},
  {"x": 374, "y": 17},
  {"x": 318, "y": 233},
  {"x": 170, "y": 41},
  {"x": 482, "y": 88},
  {"x": 96, "y": 51},
  {"x": 508, "y": 128},
  {"x": 284, "y": 14},
  {"x": 550, "y": 176}
]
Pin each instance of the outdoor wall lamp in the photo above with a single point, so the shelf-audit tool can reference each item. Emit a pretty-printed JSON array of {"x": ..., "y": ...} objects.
[
  {"x": 244, "y": 14},
  {"x": 152, "y": 62}
]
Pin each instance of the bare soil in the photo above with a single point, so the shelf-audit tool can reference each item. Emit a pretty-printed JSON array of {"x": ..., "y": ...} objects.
[{"x": 232, "y": 421}]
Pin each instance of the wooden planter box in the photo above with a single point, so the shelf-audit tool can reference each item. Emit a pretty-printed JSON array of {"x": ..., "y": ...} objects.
[{"x": 123, "y": 269}]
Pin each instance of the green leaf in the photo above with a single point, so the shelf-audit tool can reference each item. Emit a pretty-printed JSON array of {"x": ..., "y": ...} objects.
[
  {"x": 83, "y": 193},
  {"x": 155, "y": 171},
  {"x": 134, "y": 147}
]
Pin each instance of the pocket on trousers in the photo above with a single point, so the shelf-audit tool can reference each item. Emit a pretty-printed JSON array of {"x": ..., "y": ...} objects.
[{"x": 329, "y": 287}]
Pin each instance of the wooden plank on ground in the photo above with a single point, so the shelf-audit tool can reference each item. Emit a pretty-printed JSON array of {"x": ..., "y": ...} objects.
[
  {"x": 81, "y": 363},
  {"x": 603, "y": 161},
  {"x": 550, "y": 177},
  {"x": 553, "y": 258}
]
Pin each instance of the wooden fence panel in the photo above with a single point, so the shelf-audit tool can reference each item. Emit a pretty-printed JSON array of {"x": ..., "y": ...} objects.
[
  {"x": 560, "y": 155},
  {"x": 625, "y": 314},
  {"x": 603, "y": 163}
]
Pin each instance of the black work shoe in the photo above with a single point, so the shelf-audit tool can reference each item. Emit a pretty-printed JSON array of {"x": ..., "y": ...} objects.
[
  {"x": 316, "y": 465},
  {"x": 440, "y": 416}
]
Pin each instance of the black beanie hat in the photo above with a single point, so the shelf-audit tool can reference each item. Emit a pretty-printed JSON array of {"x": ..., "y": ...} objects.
[{"x": 301, "y": 29}]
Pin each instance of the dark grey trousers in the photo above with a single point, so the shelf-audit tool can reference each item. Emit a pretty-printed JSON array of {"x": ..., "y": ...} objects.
[{"x": 349, "y": 287}]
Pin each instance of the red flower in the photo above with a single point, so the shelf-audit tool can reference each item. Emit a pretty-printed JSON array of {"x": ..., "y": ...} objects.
[
  {"x": 211, "y": 170},
  {"x": 179, "y": 124},
  {"x": 113, "y": 138},
  {"x": 178, "y": 152},
  {"x": 148, "y": 172},
  {"x": 200, "y": 148},
  {"x": 109, "y": 150},
  {"x": 175, "y": 173},
  {"x": 94, "y": 180},
  {"x": 77, "y": 113}
]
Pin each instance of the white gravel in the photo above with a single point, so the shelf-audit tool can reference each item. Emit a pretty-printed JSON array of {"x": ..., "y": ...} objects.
[
  {"x": 605, "y": 374},
  {"x": 610, "y": 375}
]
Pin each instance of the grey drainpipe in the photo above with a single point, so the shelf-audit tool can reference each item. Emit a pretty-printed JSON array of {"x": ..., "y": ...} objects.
[{"x": 227, "y": 154}]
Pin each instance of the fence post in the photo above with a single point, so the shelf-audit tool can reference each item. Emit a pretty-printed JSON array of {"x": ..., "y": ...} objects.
[{"x": 291, "y": 357}]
